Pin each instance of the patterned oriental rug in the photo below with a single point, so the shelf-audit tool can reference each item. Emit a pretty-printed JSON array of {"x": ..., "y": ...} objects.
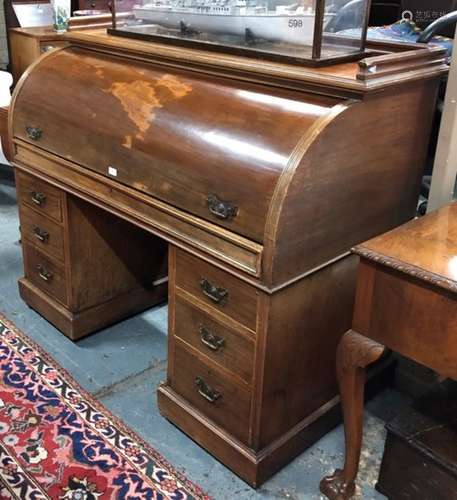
[{"x": 57, "y": 442}]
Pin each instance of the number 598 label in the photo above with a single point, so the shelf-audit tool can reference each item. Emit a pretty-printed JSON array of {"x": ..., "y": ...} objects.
[{"x": 295, "y": 23}]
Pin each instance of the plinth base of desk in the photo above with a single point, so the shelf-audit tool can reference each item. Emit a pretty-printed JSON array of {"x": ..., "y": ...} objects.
[
  {"x": 251, "y": 466},
  {"x": 77, "y": 325}
]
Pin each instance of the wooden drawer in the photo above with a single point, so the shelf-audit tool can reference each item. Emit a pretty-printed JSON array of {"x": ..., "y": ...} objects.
[
  {"x": 217, "y": 288},
  {"x": 221, "y": 400},
  {"x": 95, "y": 4},
  {"x": 42, "y": 232},
  {"x": 223, "y": 345},
  {"x": 40, "y": 195},
  {"x": 45, "y": 273}
]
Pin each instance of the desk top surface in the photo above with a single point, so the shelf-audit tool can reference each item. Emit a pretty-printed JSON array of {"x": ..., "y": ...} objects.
[
  {"x": 386, "y": 64},
  {"x": 425, "y": 248}
]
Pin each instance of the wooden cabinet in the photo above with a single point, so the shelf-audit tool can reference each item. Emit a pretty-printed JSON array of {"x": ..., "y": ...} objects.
[
  {"x": 212, "y": 343},
  {"x": 28, "y": 44},
  {"x": 259, "y": 177},
  {"x": 83, "y": 268}
]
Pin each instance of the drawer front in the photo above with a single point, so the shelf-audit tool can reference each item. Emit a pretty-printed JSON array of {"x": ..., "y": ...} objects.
[
  {"x": 41, "y": 196},
  {"x": 42, "y": 232},
  {"x": 222, "y": 401},
  {"x": 44, "y": 273},
  {"x": 225, "y": 346},
  {"x": 94, "y": 4},
  {"x": 217, "y": 288}
]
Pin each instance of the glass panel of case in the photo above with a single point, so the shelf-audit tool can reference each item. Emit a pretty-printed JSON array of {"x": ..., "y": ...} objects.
[
  {"x": 345, "y": 32},
  {"x": 289, "y": 30}
]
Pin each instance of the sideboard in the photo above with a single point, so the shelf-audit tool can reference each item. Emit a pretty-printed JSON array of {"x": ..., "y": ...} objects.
[
  {"x": 254, "y": 179},
  {"x": 27, "y": 44}
]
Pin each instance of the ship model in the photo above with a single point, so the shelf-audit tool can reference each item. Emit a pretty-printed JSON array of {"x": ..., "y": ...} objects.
[{"x": 251, "y": 19}]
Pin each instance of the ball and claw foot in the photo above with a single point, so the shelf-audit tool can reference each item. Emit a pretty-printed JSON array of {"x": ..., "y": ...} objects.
[{"x": 335, "y": 488}]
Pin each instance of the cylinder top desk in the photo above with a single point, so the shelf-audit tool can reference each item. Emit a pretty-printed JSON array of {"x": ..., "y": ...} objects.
[{"x": 235, "y": 183}]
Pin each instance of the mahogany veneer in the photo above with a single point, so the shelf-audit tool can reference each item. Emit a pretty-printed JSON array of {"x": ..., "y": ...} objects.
[{"x": 260, "y": 177}]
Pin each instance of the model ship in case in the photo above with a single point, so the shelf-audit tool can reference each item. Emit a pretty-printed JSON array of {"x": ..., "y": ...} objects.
[
  {"x": 284, "y": 23},
  {"x": 299, "y": 30}
]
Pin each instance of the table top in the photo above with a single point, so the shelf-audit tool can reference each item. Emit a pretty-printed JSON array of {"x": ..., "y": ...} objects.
[{"x": 425, "y": 248}]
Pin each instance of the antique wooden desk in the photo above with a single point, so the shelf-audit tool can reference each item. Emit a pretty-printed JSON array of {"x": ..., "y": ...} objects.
[
  {"x": 406, "y": 301},
  {"x": 254, "y": 179}
]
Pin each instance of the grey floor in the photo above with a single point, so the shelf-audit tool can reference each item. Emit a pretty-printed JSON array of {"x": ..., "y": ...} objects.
[{"x": 122, "y": 366}]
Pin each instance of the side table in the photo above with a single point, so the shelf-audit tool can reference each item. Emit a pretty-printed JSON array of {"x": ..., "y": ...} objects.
[{"x": 407, "y": 302}]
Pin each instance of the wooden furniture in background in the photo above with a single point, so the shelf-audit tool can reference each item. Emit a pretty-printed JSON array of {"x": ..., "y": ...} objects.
[
  {"x": 28, "y": 44},
  {"x": 406, "y": 301},
  {"x": 260, "y": 177},
  {"x": 420, "y": 453},
  {"x": 25, "y": 13},
  {"x": 4, "y": 136}
]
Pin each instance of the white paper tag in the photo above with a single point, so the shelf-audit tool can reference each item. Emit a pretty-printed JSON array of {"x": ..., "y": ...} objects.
[{"x": 112, "y": 171}]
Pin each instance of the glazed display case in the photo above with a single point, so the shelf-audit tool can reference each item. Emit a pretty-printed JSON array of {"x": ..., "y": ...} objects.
[{"x": 299, "y": 31}]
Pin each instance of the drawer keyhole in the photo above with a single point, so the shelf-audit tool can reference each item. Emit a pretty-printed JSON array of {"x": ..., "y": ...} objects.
[
  {"x": 221, "y": 209},
  {"x": 38, "y": 198},
  {"x": 210, "y": 340},
  {"x": 34, "y": 133},
  {"x": 206, "y": 391},
  {"x": 41, "y": 234},
  {"x": 44, "y": 274},
  {"x": 213, "y": 292}
]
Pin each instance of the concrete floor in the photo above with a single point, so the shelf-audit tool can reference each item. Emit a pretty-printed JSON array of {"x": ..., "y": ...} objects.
[{"x": 123, "y": 365}]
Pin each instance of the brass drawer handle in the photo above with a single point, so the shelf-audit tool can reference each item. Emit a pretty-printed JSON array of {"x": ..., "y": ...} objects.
[
  {"x": 34, "y": 133},
  {"x": 210, "y": 340},
  {"x": 215, "y": 293},
  {"x": 221, "y": 209},
  {"x": 38, "y": 198},
  {"x": 40, "y": 234},
  {"x": 44, "y": 274},
  {"x": 206, "y": 391}
]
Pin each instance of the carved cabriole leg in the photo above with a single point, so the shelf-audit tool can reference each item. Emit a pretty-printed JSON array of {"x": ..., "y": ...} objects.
[{"x": 355, "y": 352}]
